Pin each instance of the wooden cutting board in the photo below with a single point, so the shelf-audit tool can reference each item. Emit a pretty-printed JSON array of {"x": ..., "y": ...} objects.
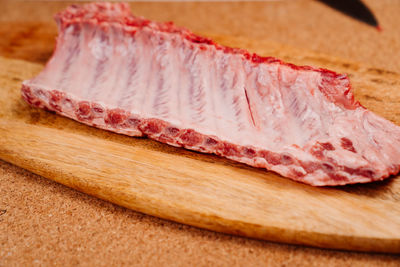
[{"x": 205, "y": 190}]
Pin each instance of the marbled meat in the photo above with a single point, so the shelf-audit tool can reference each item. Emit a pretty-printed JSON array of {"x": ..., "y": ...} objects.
[{"x": 133, "y": 76}]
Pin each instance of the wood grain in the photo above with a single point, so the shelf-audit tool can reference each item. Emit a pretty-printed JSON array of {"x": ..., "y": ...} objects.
[{"x": 205, "y": 190}]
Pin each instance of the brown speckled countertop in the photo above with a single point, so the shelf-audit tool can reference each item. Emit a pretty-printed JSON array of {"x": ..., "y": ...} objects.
[{"x": 44, "y": 223}]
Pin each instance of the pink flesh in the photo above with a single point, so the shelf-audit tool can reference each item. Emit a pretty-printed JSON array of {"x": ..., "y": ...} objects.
[{"x": 132, "y": 76}]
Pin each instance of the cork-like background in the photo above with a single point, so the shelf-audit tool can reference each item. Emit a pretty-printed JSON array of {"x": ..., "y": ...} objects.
[{"x": 44, "y": 223}]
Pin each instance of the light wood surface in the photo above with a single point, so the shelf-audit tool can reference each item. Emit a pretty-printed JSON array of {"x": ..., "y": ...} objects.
[
  {"x": 204, "y": 190},
  {"x": 48, "y": 224}
]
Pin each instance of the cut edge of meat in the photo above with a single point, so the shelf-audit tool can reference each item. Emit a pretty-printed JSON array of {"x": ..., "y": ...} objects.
[{"x": 121, "y": 121}]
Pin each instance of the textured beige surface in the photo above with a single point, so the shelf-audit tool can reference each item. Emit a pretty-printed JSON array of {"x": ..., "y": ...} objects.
[
  {"x": 52, "y": 224},
  {"x": 46, "y": 223}
]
